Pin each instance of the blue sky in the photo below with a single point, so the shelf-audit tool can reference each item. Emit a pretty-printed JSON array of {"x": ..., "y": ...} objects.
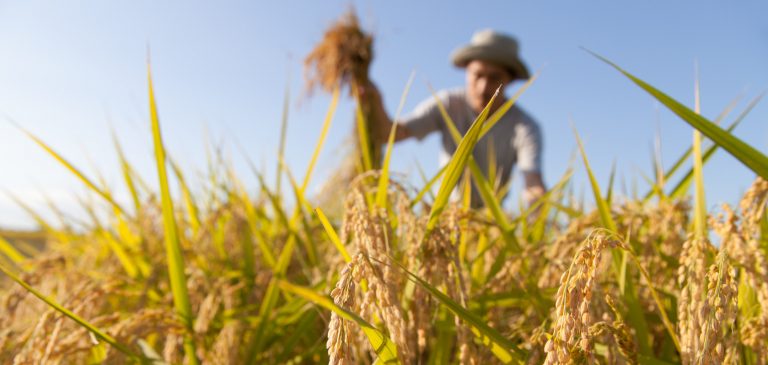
[{"x": 70, "y": 71}]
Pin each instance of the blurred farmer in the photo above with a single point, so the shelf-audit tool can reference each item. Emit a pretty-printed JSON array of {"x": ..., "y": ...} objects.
[{"x": 490, "y": 60}]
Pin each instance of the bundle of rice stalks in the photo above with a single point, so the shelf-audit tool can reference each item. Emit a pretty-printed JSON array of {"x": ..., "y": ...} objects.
[{"x": 342, "y": 58}]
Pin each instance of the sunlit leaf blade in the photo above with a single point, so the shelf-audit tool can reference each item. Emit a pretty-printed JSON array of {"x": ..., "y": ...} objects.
[
  {"x": 609, "y": 194},
  {"x": 654, "y": 293},
  {"x": 456, "y": 165},
  {"x": 455, "y": 134},
  {"x": 321, "y": 139},
  {"x": 499, "y": 113},
  {"x": 271, "y": 295},
  {"x": 362, "y": 130},
  {"x": 485, "y": 188},
  {"x": 193, "y": 214},
  {"x": 504, "y": 349},
  {"x": 82, "y": 322},
  {"x": 85, "y": 180},
  {"x": 699, "y": 206},
  {"x": 127, "y": 171},
  {"x": 749, "y": 156},
  {"x": 384, "y": 347},
  {"x": 253, "y": 217},
  {"x": 381, "y": 192},
  {"x": 172, "y": 240},
  {"x": 7, "y": 249},
  {"x": 494, "y": 206},
  {"x": 681, "y": 187},
  {"x": 303, "y": 203},
  {"x": 62, "y": 236},
  {"x": 684, "y": 157},
  {"x": 602, "y": 206},
  {"x": 283, "y": 130},
  {"x": 636, "y": 316},
  {"x": 124, "y": 257},
  {"x": 428, "y": 186},
  {"x": 332, "y": 235}
]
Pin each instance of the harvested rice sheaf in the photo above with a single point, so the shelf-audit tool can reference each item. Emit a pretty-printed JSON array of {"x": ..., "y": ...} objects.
[{"x": 342, "y": 56}]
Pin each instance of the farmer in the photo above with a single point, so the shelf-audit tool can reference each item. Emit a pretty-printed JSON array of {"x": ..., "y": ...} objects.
[{"x": 490, "y": 61}]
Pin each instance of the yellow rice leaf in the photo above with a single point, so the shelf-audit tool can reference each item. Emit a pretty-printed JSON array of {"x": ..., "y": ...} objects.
[
  {"x": 381, "y": 193},
  {"x": 174, "y": 258},
  {"x": 80, "y": 321},
  {"x": 321, "y": 140},
  {"x": 384, "y": 347},
  {"x": 332, "y": 235}
]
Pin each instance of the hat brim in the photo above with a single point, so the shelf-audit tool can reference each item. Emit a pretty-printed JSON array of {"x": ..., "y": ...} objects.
[{"x": 508, "y": 60}]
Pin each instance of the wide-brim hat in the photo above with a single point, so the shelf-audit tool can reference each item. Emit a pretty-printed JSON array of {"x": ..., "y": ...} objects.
[{"x": 489, "y": 45}]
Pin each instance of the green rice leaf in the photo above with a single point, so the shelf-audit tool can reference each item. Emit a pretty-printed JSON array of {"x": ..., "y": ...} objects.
[
  {"x": 384, "y": 347},
  {"x": 122, "y": 255},
  {"x": 684, "y": 157},
  {"x": 321, "y": 140},
  {"x": 681, "y": 188},
  {"x": 602, "y": 206},
  {"x": 428, "y": 186},
  {"x": 332, "y": 235},
  {"x": 127, "y": 171},
  {"x": 636, "y": 317},
  {"x": 283, "y": 130},
  {"x": 481, "y": 182},
  {"x": 699, "y": 207},
  {"x": 609, "y": 194},
  {"x": 303, "y": 203},
  {"x": 7, "y": 249},
  {"x": 456, "y": 166},
  {"x": 424, "y": 181},
  {"x": 504, "y": 349},
  {"x": 61, "y": 236},
  {"x": 174, "y": 257},
  {"x": 193, "y": 214},
  {"x": 82, "y": 322},
  {"x": 381, "y": 192},
  {"x": 651, "y": 360},
  {"x": 504, "y": 108},
  {"x": 659, "y": 304},
  {"x": 69, "y": 166},
  {"x": 362, "y": 130},
  {"x": 748, "y": 155}
]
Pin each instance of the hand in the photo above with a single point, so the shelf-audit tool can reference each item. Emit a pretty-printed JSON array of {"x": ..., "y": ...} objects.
[{"x": 373, "y": 109}]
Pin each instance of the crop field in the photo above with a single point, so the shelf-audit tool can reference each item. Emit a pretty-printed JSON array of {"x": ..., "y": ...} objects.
[{"x": 205, "y": 272}]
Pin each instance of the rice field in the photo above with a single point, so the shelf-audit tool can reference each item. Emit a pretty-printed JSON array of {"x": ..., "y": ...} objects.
[{"x": 399, "y": 274}]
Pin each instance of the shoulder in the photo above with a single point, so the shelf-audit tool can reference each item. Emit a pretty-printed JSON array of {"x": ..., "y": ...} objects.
[
  {"x": 452, "y": 96},
  {"x": 525, "y": 129},
  {"x": 522, "y": 119}
]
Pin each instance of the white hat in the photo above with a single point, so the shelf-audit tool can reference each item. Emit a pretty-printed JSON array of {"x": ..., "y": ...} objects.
[{"x": 488, "y": 45}]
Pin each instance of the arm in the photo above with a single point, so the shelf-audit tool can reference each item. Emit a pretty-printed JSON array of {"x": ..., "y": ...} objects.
[
  {"x": 529, "y": 148},
  {"x": 534, "y": 187},
  {"x": 371, "y": 101}
]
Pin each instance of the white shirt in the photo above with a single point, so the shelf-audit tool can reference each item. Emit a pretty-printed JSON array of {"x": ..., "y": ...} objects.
[{"x": 515, "y": 140}]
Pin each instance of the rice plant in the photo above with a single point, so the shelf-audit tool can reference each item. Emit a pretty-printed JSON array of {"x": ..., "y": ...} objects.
[{"x": 220, "y": 276}]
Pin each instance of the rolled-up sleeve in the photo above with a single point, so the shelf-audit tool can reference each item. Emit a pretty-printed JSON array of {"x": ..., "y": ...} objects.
[
  {"x": 528, "y": 144},
  {"x": 425, "y": 118}
]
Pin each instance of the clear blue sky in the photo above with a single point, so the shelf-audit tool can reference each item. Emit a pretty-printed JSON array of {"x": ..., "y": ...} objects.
[{"x": 70, "y": 70}]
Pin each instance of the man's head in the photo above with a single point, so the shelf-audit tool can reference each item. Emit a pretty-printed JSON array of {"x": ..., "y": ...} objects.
[
  {"x": 491, "y": 60},
  {"x": 483, "y": 78}
]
